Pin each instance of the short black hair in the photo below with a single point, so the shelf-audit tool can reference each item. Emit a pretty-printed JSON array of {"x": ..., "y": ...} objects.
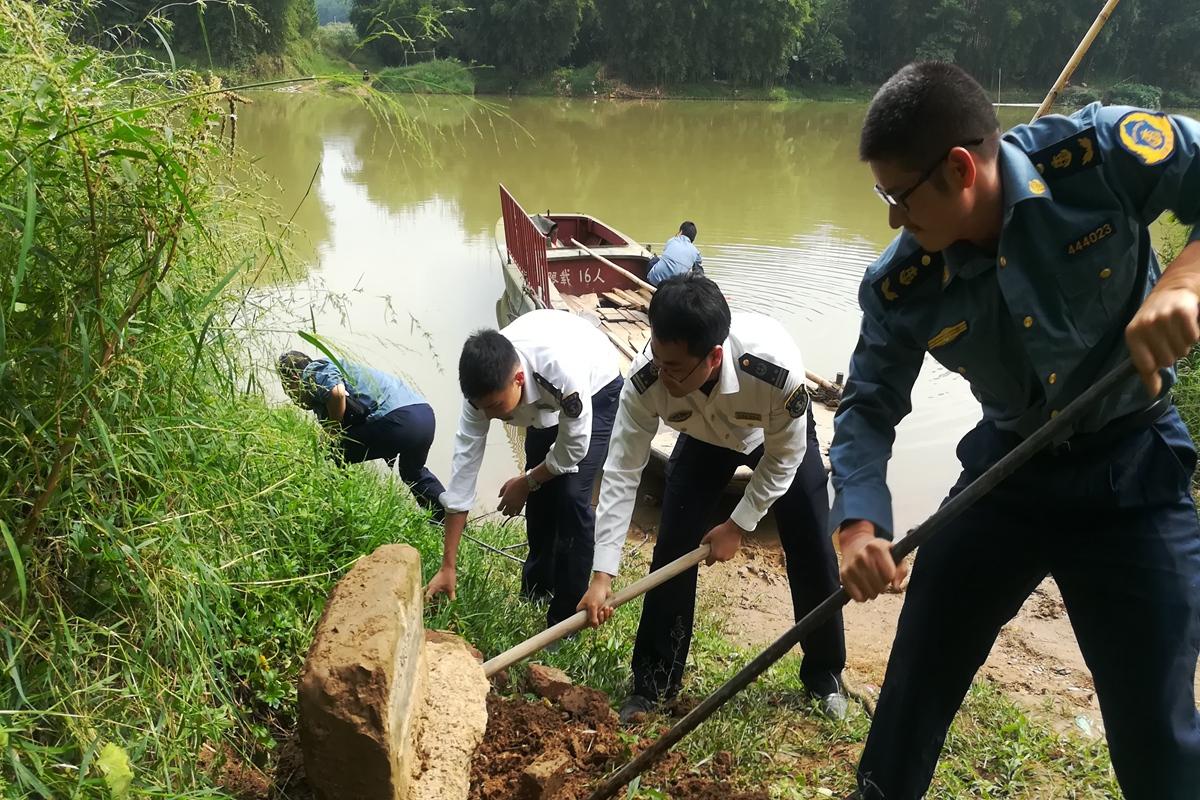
[
  {"x": 486, "y": 364},
  {"x": 923, "y": 111},
  {"x": 688, "y": 229},
  {"x": 291, "y": 364},
  {"x": 690, "y": 308}
]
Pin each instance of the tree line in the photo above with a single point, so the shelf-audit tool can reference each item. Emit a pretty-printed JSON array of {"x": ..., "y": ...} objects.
[
  {"x": 754, "y": 42},
  {"x": 764, "y": 42}
]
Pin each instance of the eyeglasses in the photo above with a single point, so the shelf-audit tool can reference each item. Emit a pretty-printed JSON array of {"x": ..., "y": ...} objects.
[
  {"x": 648, "y": 352},
  {"x": 901, "y": 199}
]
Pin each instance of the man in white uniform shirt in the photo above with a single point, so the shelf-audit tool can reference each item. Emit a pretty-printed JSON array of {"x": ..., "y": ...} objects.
[
  {"x": 734, "y": 389},
  {"x": 556, "y": 375}
]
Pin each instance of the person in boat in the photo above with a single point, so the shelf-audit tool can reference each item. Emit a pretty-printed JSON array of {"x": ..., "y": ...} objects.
[
  {"x": 679, "y": 256},
  {"x": 733, "y": 386},
  {"x": 374, "y": 415},
  {"x": 556, "y": 375},
  {"x": 1025, "y": 264}
]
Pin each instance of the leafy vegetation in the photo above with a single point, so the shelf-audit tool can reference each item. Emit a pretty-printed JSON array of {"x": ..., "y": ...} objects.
[{"x": 443, "y": 76}]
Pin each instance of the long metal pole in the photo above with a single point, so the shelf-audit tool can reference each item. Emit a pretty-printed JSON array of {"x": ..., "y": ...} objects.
[{"x": 1046, "y": 435}]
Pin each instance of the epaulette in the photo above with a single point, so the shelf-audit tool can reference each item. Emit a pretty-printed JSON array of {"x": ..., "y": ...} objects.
[
  {"x": 1077, "y": 152},
  {"x": 548, "y": 387},
  {"x": 763, "y": 370},
  {"x": 645, "y": 377},
  {"x": 907, "y": 275}
]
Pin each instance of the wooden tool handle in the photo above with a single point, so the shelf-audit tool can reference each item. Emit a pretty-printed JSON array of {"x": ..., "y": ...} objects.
[
  {"x": 579, "y": 620},
  {"x": 611, "y": 265}
]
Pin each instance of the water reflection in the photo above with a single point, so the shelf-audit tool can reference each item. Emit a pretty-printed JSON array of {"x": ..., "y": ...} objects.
[{"x": 401, "y": 236}]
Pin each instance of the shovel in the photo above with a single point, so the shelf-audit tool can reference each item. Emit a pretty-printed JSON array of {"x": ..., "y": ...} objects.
[
  {"x": 1051, "y": 431},
  {"x": 579, "y": 620}
]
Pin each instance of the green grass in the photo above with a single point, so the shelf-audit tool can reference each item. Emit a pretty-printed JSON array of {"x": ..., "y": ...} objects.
[{"x": 169, "y": 538}]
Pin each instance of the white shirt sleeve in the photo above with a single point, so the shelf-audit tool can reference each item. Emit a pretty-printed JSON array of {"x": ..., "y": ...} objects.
[
  {"x": 785, "y": 439},
  {"x": 628, "y": 452},
  {"x": 469, "y": 444},
  {"x": 574, "y": 434}
]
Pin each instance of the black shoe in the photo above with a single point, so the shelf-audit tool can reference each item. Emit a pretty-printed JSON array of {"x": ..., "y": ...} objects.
[{"x": 634, "y": 708}]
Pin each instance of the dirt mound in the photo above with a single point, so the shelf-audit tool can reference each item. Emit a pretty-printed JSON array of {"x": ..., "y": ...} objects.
[{"x": 539, "y": 750}]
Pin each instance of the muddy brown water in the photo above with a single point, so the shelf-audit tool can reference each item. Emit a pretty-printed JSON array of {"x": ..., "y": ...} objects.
[{"x": 398, "y": 239}]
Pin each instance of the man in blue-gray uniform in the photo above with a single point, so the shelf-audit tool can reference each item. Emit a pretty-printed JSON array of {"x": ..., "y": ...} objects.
[
  {"x": 376, "y": 415},
  {"x": 1026, "y": 265},
  {"x": 679, "y": 256}
]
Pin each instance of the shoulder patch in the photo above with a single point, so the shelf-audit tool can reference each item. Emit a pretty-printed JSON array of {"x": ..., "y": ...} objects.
[
  {"x": 572, "y": 406},
  {"x": 644, "y": 378},
  {"x": 906, "y": 275},
  {"x": 797, "y": 402},
  {"x": 548, "y": 387},
  {"x": 1068, "y": 156},
  {"x": 763, "y": 370},
  {"x": 1147, "y": 136}
]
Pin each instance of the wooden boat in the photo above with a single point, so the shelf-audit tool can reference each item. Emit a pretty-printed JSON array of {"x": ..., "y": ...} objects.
[{"x": 576, "y": 263}]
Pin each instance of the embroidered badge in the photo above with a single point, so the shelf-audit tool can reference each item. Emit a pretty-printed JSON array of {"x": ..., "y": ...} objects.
[
  {"x": 1147, "y": 137},
  {"x": 572, "y": 405},
  {"x": 1068, "y": 156},
  {"x": 748, "y": 415},
  {"x": 947, "y": 335},
  {"x": 679, "y": 416},
  {"x": 797, "y": 402},
  {"x": 907, "y": 275},
  {"x": 1089, "y": 238}
]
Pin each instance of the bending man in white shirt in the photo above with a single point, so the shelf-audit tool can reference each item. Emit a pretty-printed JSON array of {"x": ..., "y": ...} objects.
[
  {"x": 734, "y": 389},
  {"x": 556, "y": 375}
]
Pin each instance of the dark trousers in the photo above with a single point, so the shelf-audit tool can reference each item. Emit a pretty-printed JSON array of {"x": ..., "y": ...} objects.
[
  {"x": 1118, "y": 531},
  {"x": 402, "y": 438},
  {"x": 696, "y": 475},
  {"x": 559, "y": 519}
]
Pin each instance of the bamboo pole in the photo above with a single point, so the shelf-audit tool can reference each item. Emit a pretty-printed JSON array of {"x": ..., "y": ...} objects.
[
  {"x": 1076, "y": 57},
  {"x": 579, "y": 620}
]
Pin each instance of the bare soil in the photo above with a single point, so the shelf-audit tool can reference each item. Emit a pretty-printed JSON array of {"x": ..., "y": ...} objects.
[{"x": 536, "y": 750}]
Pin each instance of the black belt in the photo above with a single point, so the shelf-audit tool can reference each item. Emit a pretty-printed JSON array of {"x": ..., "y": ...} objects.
[{"x": 1114, "y": 431}]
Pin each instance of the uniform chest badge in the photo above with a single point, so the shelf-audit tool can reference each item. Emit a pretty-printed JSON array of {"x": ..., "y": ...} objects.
[
  {"x": 749, "y": 416},
  {"x": 947, "y": 335},
  {"x": 1147, "y": 137},
  {"x": 679, "y": 416}
]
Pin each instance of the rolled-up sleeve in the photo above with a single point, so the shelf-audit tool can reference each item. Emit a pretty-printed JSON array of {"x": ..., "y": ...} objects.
[
  {"x": 470, "y": 442},
  {"x": 785, "y": 441},
  {"x": 574, "y": 436},
  {"x": 628, "y": 452},
  {"x": 878, "y": 395}
]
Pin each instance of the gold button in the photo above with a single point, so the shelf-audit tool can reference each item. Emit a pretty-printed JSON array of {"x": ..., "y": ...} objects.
[
  {"x": 962, "y": 370},
  {"x": 745, "y": 362},
  {"x": 1029, "y": 322},
  {"x": 1003, "y": 261},
  {"x": 925, "y": 261},
  {"x": 1053, "y": 414},
  {"x": 1053, "y": 377},
  {"x": 1105, "y": 274}
]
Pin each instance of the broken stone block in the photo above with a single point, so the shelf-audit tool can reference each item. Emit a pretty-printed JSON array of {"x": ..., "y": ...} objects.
[
  {"x": 548, "y": 682},
  {"x": 545, "y": 776}
]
